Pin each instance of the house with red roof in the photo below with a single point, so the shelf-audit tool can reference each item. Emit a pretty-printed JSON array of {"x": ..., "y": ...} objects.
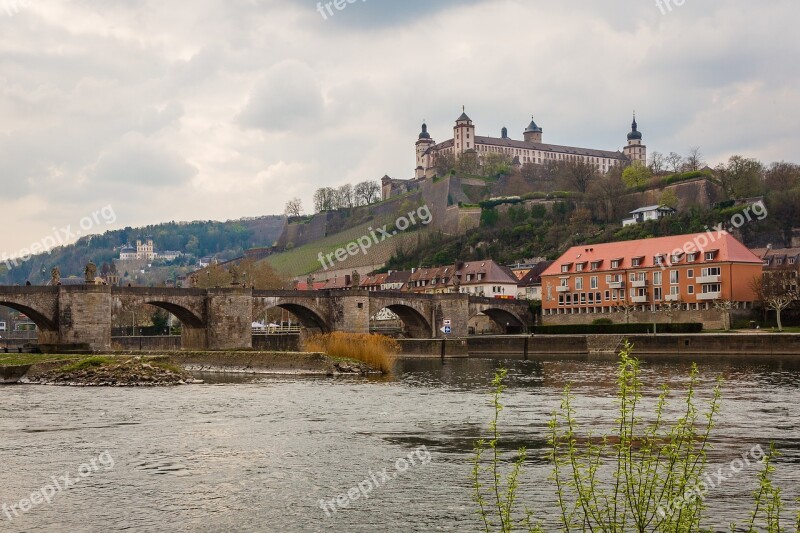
[{"x": 685, "y": 273}]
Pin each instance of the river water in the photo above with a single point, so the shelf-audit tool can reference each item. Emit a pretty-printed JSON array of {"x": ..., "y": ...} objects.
[{"x": 259, "y": 454}]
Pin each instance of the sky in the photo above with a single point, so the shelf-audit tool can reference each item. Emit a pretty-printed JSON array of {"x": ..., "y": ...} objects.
[{"x": 159, "y": 110}]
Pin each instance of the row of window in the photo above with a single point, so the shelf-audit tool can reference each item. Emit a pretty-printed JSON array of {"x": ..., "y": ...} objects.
[
  {"x": 582, "y": 298},
  {"x": 674, "y": 277},
  {"x": 638, "y": 261}
]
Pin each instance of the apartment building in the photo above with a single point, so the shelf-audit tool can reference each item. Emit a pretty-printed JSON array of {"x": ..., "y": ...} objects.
[{"x": 689, "y": 272}]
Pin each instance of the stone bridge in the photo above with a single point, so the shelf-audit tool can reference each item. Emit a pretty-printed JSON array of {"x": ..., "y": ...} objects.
[{"x": 80, "y": 317}]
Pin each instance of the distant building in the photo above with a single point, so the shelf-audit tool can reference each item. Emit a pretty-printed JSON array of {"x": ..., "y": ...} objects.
[
  {"x": 478, "y": 278},
  {"x": 530, "y": 150},
  {"x": 691, "y": 271},
  {"x": 530, "y": 285},
  {"x": 144, "y": 251},
  {"x": 651, "y": 212}
]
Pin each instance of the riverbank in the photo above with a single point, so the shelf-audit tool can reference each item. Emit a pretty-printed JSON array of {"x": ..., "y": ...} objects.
[{"x": 158, "y": 368}]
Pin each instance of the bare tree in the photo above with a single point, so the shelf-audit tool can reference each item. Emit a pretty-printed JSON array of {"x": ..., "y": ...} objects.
[
  {"x": 578, "y": 175},
  {"x": 606, "y": 195},
  {"x": 777, "y": 290},
  {"x": 294, "y": 207},
  {"x": 674, "y": 162},
  {"x": 325, "y": 199},
  {"x": 694, "y": 161},
  {"x": 368, "y": 192},
  {"x": 671, "y": 308},
  {"x": 345, "y": 197},
  {"x": 725, "y": 307},
  {"x": 657, "y": 162}
]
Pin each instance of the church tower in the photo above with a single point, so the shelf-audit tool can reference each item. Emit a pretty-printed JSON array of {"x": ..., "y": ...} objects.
[
  {"x": 463, "y": 135},
  {"x": 533, "y": 133},
  {"x": 424, "y": 142},
  {"x": 635, "y": 151}
]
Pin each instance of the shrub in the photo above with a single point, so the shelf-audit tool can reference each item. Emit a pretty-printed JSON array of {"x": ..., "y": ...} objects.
[
  {"x": 646, "y": 476},
  {"x": 602, "y": 322},
  {"x": 377, "y": 351}
]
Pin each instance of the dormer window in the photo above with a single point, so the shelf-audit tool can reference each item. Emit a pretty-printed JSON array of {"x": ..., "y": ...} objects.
[
  {"x": 658, "y": 260},
  {"x": 710, "y": 255},
  {"x": 675, "y": 258},
  {"x": 691, "y": 258},
  {"x": 596, "y": 265},
  {"x": 615, "y": 263},
  {"x": 637, "y": 261},
  {"x": 579, "y": 267}
]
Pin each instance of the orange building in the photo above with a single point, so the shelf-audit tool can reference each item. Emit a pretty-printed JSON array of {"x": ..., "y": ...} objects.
[{"x": 686, "y": 271}]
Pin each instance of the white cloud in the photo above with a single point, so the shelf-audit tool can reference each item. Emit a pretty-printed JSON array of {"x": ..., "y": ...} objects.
[{"x": 209, "y": 109}]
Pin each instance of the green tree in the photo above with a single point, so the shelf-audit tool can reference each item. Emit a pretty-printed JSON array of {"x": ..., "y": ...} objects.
[
  {"x": 636, "y": 175},
  {"x": 669, "y": 198}
]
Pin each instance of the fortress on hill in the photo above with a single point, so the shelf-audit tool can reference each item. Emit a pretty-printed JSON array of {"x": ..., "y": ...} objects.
[{"x": 530, "y": 150}]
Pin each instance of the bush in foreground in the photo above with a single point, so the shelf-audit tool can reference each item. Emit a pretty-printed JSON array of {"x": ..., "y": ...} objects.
[
  {"x": 646, "y": 476},
  {"x": 377, "y": 351}
]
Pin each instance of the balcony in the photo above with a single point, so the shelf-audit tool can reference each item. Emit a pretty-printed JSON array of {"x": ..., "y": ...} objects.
[
  {"x": 562, "y": 288},
  {"x": 616, "y": 284},
  {"x": 639, "y": 284},
  {"x": 708, "y": 279},
  {"x": 672, "y": 297},
  {"x": 704, "y": 296},
  {"x": 640, "y": 299}
]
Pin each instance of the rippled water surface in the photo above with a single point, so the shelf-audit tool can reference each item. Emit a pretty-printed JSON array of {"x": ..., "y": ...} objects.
[{"x": 259, "y": 454}]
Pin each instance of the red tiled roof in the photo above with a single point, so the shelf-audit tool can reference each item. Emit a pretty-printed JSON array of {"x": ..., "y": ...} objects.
[{"x": 727, "y": 247}]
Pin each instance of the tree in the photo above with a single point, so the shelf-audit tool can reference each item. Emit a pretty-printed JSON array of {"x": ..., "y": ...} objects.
[
  {"x": 367, "y": 192},
  {"x": 345, "y": 197},
  {"x": 494, "y": 164},
  {"x": 694, "y": 161},
  {"x": 671, "y": 308},
  {"x": 160, "y": 320},
  {"x": 606, "y": 195},
  {"x": 777, "y": 290},
  {"x": 444, "y": 163},
  {"x": 725, "y": 307},
  {"x": 324, "y": 199},
  {"x": 636, "y": 175},
  {"x": 294, "y": 207},
  {"x": 657, "y": 163},
  {"x": 577, "y": 175},
  {"x": 741, "y": 177},
  {"x": 674, "y": 161},
  {"x": 669, "y": 198},
  {"x": 782, "y": 176}
]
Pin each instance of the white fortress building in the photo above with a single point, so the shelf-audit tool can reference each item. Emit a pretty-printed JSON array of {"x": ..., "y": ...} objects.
[{"x": 530, "y": 150}]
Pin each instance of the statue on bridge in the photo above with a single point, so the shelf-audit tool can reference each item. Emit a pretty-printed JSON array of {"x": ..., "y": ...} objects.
[
  {"x": 356, "y": 279},
  {"x": 90, "y": 273},
  {"x": 55, "y": 276}
]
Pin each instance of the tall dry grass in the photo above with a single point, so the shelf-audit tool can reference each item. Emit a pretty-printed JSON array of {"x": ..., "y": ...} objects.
[{"x": 377, "y": 351}]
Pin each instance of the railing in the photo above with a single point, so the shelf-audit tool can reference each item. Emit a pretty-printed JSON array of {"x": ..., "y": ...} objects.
[
  {"x": 616, "y": 285},
  {"x": 640, "y": 299},
  {"x": 705, "y": 296},
  {"x": 672, "y": 297},
  {"x": 709, "y": 279},
  {"x": 281, "y": 330},
  {"x": 639, "y": 284},
  {"x": 562, "y": 288}
]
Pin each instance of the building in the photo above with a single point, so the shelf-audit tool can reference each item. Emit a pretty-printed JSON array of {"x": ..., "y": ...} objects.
[
  {"x": 778, "y": 258},
  {"x": 689, "y": 271},
  {"x": 144, "y": 251},
  {"x": 478, "y": 278},
  {"x": 651, "y": 212},
  {"x": 530, "y": 285},
  {"x": 530, "y": 150}
]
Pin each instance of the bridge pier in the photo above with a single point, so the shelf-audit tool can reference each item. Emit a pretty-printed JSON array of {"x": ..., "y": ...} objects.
[
  {"x": 349, "y": 311},
  {"x": 229, "y": 319},
  {"x": 452, "y": 307},
  {"x": 84, "y": 318}
]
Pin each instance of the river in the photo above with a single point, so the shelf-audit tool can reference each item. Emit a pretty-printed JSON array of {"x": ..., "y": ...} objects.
[{"x": 260, "y": 454}]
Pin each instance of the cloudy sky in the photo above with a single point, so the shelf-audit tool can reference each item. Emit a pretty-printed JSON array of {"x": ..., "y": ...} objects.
[{"x": 220, "y": 109}]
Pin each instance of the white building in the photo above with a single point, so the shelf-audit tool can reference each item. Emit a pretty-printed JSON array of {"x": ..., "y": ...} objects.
[
  {"x": 651, "y": 212},
  {"x": 530, "y": 150}
]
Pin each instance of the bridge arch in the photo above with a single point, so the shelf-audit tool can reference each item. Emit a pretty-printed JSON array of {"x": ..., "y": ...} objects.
[
  {"x": 42, "y": 321},
  {"x": 308, "y": 317},
  {"x": 411, "y": 313},
  {"x": 508, "y": 321}
]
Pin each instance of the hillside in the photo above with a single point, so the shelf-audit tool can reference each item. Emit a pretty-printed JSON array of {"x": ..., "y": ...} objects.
[{"x": 225, "y": 240}]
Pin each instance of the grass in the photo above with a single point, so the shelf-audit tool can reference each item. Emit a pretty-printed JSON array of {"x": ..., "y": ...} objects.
[
  {"x": 377, "y": 351},
  {"x": 89, "y": 362},
  {"x": 17, "y": 359}
]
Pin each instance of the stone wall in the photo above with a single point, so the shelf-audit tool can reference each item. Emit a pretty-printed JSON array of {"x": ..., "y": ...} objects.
[{"x": 710, "y": 318}]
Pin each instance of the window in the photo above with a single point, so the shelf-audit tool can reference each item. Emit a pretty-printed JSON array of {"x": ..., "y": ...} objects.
[
  {"x": 676, "y": 258},
  {"x": 564, "y": 268},
  {"x": 632, "y": 276},
  {"x": 637, "y": 261},
  {"x": 674, "y": 291},
  {"x": 657, "y": 278},
  {"x": 593, "y": 282},
  {"x": 691, "y": 289},
  {"x": 583, "y": 297},
  {"x": 710, "y": 256},
  {"x": 608, "y": 296},
  {"x": 713, "y": 271},
  {"x": 597, "y": 296},
  {"x": 674, "y": 277},
  {"x": 565, "y": 282},
  {"x": 791, "y": 260},
  {"x": 591, "y": 297},
  {"x": 615, "y": 263},
  {"x": 657, "y": 293},
  {"x": 579, "y": 267},
  {"x": 690, "y": 273},
  {"x": 658, "y": 260},
  {"x": 691, "y": 258},
  {"x": 578, "y": 284},
  {"x": 712, "y": 288}
]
